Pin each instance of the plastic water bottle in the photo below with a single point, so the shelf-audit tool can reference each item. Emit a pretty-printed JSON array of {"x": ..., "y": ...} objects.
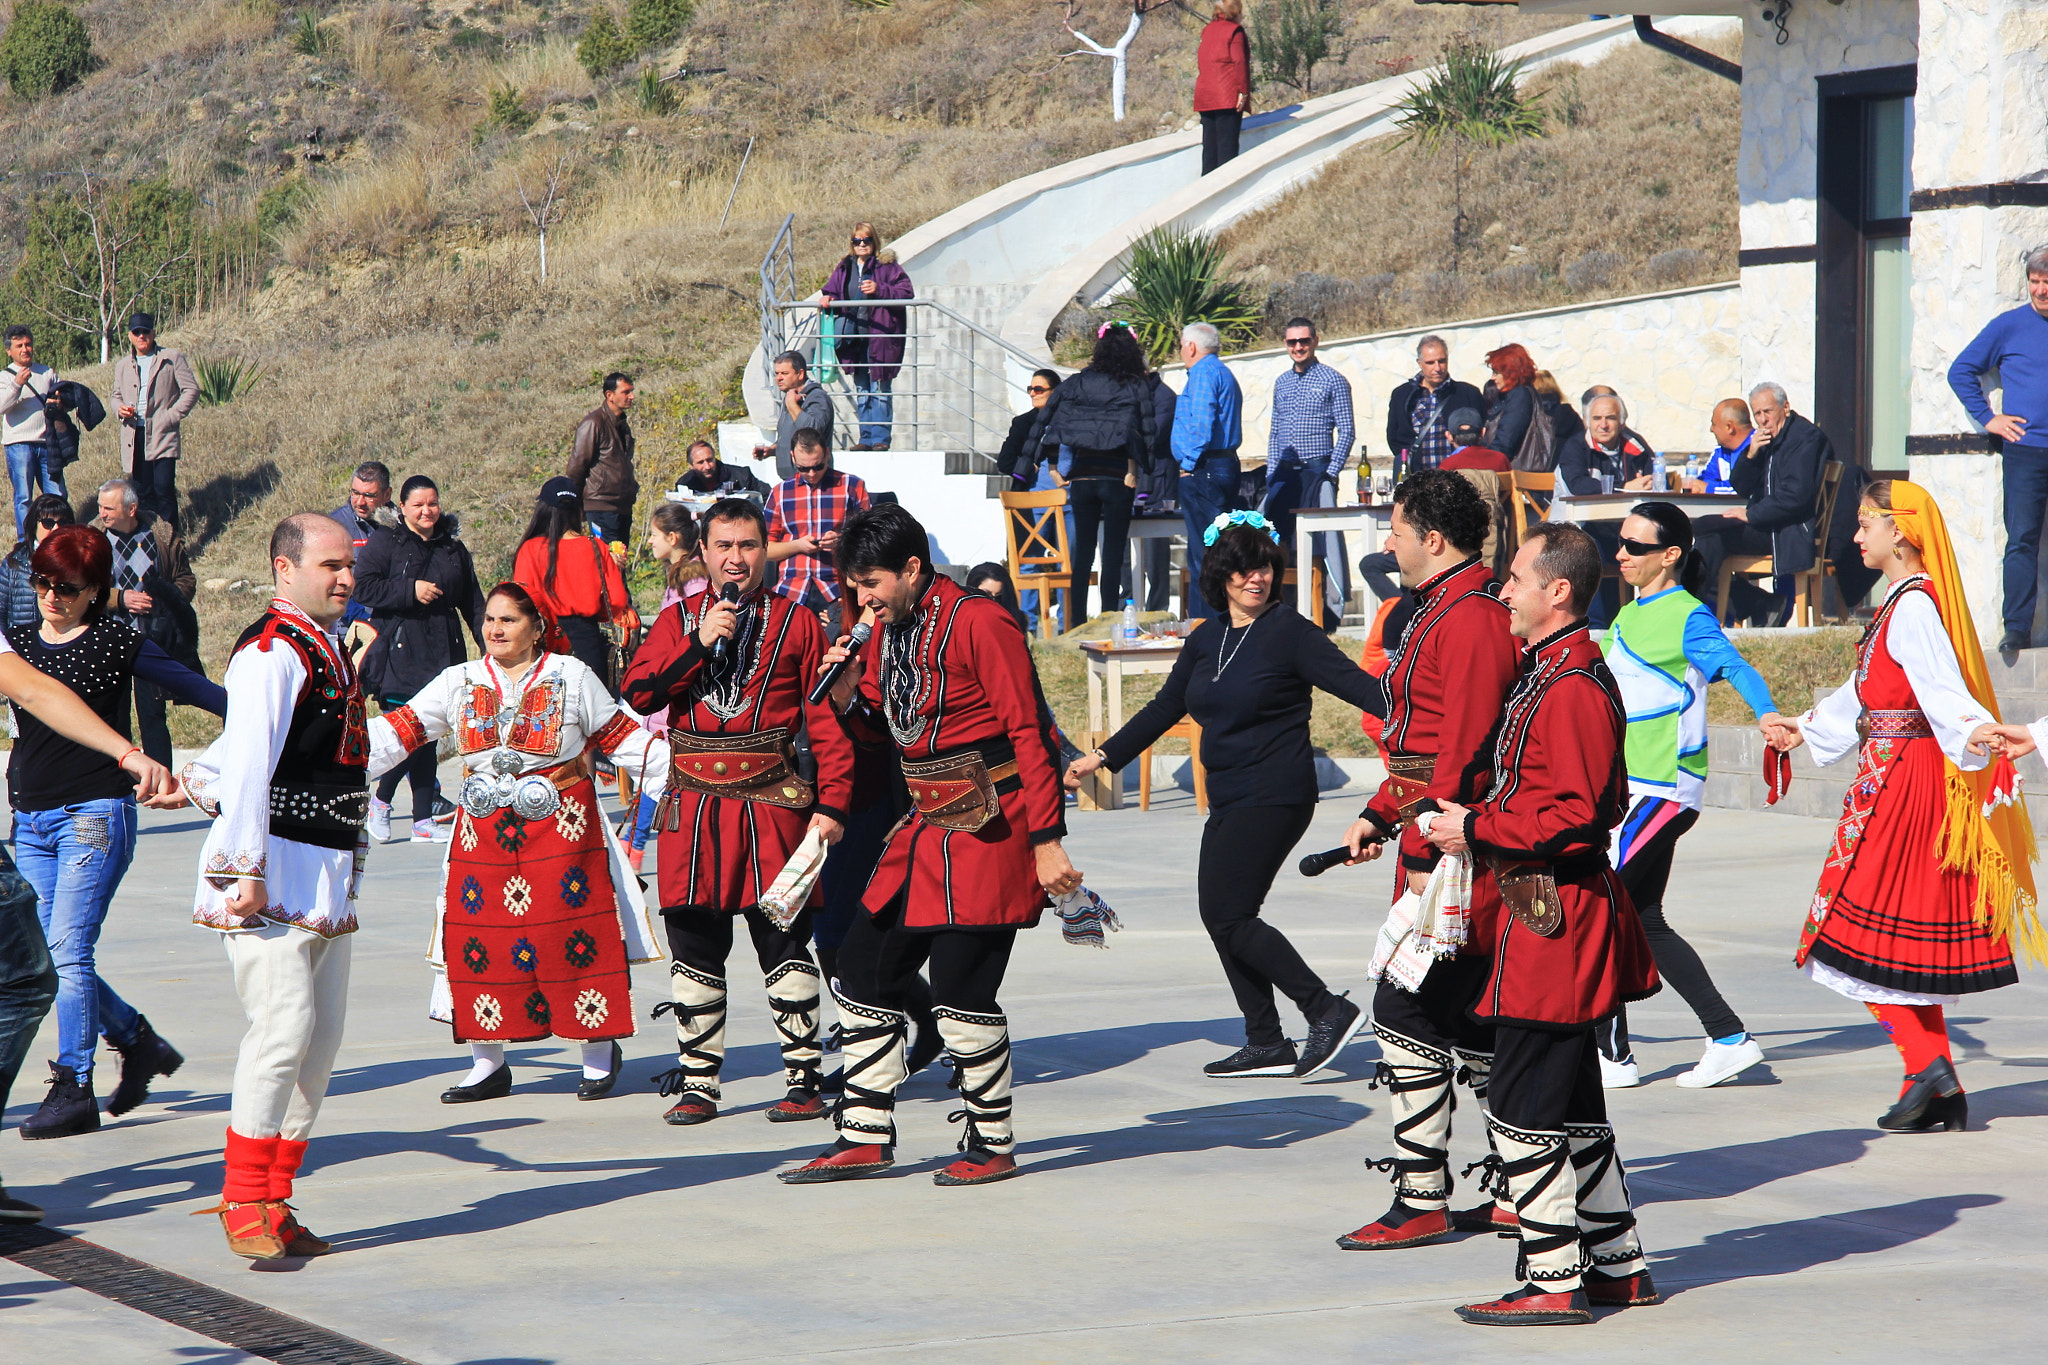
[
  {"x": 1658, "y": 482},
  {"x": 1128, "y": 634}
]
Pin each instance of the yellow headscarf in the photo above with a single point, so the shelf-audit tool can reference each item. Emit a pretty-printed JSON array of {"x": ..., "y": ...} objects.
[{"x": 1986, "y": 832}]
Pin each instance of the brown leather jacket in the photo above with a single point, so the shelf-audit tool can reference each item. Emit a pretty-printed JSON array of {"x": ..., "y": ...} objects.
[{"x": 601, "y": 465}]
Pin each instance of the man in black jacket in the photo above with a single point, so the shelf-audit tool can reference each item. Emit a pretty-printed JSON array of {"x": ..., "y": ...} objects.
[
  {"x": 708, "y": 474},
  {"x": 1780, "y": 475},
  {"x": 1416, "y": 412}
]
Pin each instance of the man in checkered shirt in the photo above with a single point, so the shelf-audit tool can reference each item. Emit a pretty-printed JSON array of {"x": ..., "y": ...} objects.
[
  {"x": 153, "y": 587},
  {"x": 1310, "y": 439},
  {"x": 804, "y": 517}
]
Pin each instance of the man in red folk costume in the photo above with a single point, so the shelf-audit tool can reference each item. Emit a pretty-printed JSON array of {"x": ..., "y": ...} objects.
[
  {"x": 950, "y": 679},
  {"x": 1444, "y": 687},
  {"x": 288, "y": 783},
  {"x": 1570, "y": 948},
  {"x": 732, "y": 667}
]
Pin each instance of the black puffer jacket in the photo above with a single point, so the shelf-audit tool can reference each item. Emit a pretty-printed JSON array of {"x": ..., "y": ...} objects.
[
  {"x": 415, "y": 642},
  {"x": 1093, "y": 412}
]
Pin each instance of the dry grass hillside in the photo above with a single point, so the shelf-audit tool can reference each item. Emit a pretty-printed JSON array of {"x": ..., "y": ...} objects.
[
  {"x": 1631, "y": 189},
  {"x": 394, "y": 306}
]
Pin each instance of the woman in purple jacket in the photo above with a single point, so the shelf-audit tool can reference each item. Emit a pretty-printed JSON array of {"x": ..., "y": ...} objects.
[{"x": 870, "y": 340}]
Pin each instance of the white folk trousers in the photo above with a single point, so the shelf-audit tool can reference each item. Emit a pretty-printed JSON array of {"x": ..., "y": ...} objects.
[{"x": 293, "y": 985}]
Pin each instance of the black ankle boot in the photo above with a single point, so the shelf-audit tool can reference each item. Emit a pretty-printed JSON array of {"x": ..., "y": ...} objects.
[
  {"x": 142, "y": 1059},
  {"x": 68, "y": 1110},
  {"x": 1933, "y": 1100}
]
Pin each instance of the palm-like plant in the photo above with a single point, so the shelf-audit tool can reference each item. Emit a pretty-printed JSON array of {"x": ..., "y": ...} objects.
[
  {"x": 1175, "y": 278},
  {"x": 223, "y": 381},
  {"x": 1474, "y": 97},
  {"x": 308, "y": 38}
]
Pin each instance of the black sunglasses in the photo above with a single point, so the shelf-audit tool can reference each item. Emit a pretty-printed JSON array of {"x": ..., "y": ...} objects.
[
  {"x": 1039, "y": 388},
  {"x": 1642, "y": 547},
  {"x": 1301, "y": 341},
  {"x": 863, "y": 241},
  {"x": 51, "y": 523},
  {"x": 44, "y": 583}
]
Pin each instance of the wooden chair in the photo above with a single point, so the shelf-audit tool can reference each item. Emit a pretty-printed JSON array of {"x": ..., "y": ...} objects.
[
  {"x": 1809, "y": 586},
  {"x": 1524, "y": 511},
  {"x": 1041, "y": 561},
  {"x": 1186, "y": 728}
]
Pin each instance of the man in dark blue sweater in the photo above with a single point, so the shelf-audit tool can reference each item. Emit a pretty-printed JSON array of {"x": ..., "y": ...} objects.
[{"x": 2016, "y": 346}]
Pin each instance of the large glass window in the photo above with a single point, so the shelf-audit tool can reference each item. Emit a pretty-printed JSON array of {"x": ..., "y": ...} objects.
[{"x": 1889, "y": 341}]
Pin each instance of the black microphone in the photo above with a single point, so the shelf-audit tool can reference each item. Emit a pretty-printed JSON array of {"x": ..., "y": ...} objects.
[
  {"x": 1316, "y": 864},
  {"x": 722, "y": 646},
  {"x": 830, "y": 677}
]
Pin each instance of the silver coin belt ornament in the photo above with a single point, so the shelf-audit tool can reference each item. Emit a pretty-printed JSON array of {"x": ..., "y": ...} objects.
[{"x": 530, "y": 798}]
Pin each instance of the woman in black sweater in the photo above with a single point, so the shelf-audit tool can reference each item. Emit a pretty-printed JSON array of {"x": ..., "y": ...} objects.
[
  {"x": 1105, "y": 415},
  {"x": 1246, "y": 678}
]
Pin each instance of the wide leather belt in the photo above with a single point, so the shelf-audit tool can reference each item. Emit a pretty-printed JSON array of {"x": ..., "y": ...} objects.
[
  {"x": 959, "y": 791},
  {"x": 1529, "y": 890},
  {"x": 748, "y": 767},
  {"x": 1893, "y": 725},
  {"x": 1408, "y": 778}
]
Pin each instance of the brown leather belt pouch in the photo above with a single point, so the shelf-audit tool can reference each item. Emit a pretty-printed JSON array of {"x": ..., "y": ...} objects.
[
  {"x": 958, "y": 791},
  {"x": 1408, "y": 775},
  {"x": 751, "y": 767},
  {"x": 1530, "y": 893}
]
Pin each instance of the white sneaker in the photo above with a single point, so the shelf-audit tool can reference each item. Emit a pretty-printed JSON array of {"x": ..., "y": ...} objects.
[
  {"x": 1619, "y": 1075},
  {"x": 380, "y": 821},
  {"x": 427, "y": 832},
  {"x": 1723, "y": 1062}
]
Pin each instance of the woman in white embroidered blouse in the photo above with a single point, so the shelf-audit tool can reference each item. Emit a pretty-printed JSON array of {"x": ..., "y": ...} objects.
[{"x": 539, "y": 917}]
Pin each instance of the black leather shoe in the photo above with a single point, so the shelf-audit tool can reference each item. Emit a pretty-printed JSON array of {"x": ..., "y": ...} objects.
[
  {"x": 1933, "y": 1102},
  {"x": 495, "y": 1086},
  {"x": 17, "y": 1210},
  {"x": 2012, "y": 642},
  {"x": 143, "y": 1059},
  {"x": 588, "y": 1089}
]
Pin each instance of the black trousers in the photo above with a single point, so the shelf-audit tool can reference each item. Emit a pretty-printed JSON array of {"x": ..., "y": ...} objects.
[
  {"x": 879, "y": 961},
  {"x": 1718, "y": 537},
  {"x": 152, "y": 720},
  {"x": 1220, "y": 128},
  {"x": 1644, "y": 876},
  {"x": 702, "y": 939},
  {"x": 156, "y": 487},
  {"x": 1544, "y": 1079},
  {"x": 1243, "y": 848},
  {"x": 1440, "y": 1014},
  {"x": 1104, "y": 505}
]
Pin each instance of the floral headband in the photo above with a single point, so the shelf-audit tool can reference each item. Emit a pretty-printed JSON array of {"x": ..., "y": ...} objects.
[
  {"x": 1255, "y": 520},
  {"x": 1103, "y": 330}
]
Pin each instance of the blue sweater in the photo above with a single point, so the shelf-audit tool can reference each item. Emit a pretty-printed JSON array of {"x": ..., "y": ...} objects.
[
  {"x": 1207, "y": 415},
  {"x": 2015, "y": 345}
]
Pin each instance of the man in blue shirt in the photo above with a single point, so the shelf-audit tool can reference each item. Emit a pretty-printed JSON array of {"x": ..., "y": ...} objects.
[
  {"x": 1207, "y": 429},
  {"x": 2016, "y": 346},
  {"x": 1733, "y": 431},
  {"x": 1310, "y": 438}
]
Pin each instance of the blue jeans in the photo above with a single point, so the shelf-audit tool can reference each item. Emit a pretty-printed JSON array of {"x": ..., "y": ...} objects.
[
  {"x": 1206, "y": 492},
  {"x": 874, "y": 405},
  {"x": 75, "y": 857},
  {"x": 31, "y": 470},
  {"x": 28, "y": 979},
  {"x": 2026, "y": 500}
]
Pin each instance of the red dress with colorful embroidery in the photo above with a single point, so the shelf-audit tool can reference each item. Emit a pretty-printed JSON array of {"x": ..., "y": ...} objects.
[
  {"x": 538, "y": 919},
  {"x": 728, "y": 850},
  {"x": 1887, "y": 913}
]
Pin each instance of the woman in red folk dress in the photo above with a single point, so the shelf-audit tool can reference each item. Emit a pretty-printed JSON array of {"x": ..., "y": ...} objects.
[
  {"x": 539, "y": 919},
  {"x": 1923, "y": 892}
]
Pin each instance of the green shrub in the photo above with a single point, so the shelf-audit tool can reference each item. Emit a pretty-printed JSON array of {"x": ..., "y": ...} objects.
[
  {"x": 308, "y": 38},
  {"x": 47, "y": 49},
  {"x": 603, "y": 49},
  {"x": 223, "y": 381},
  {"x": 278, "y": 208},
  {"x": 509, "y": 111},
  {"x": 1176, "y": 277},
  {"x": 1474, "y": 98},
  {"x": 653, "y": 94},
  {"x": 655, "y": 23},
  {"x": 1288, "y": 38}
]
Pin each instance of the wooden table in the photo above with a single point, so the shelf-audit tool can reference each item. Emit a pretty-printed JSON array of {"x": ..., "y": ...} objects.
[
  {"x": 1372, "y": 521},
  {"x": 1168, "y": 528},
  {"x": 1108, "y": 665},
  {"x": 1615, "y": 506}
]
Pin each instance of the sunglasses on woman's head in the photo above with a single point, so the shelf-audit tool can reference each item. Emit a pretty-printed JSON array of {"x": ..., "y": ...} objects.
[
  {"x": 44, "y": 583},
  {"x": 1642, "y": 547}
]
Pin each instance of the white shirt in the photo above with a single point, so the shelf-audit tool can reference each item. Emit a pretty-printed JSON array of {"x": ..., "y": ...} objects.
[
  {"x": 21, "y": 405},
  {"x": 1917, "y": 640}
]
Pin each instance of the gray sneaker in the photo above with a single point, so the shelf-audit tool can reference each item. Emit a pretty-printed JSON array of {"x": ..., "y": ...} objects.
[{"x": 380, "y": 821}]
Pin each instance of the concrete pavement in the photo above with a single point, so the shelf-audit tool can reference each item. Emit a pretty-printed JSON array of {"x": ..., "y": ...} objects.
[{"x": 1162, "y": 1217}]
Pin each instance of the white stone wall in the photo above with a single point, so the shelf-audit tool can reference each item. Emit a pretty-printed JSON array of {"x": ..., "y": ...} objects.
[
  {"x": 1672, "y": 356},
  {"x": 1776, "y": 172}
]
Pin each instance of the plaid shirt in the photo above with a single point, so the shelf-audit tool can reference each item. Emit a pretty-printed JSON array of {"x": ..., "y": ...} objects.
[
  {"x": 797, "y": 511},
  {"x": 1312, "y": 417},
  {"x": 1432, "y": 443}
]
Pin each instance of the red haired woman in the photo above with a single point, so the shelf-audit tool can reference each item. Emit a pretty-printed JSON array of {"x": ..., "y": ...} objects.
[
  {"x": 1510, "y": 399},
  {"x": 74, "y": 819}
]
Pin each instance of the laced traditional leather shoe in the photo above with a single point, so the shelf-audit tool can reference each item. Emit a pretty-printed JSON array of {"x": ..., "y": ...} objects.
[
  {"x": 692, "y": 1108},
  {"x": 799, "y": 1104},
  {"x": 495, "y": 1086},
  {"x": 1486, "y": 1218},
  {"x": 1621, "y": 1291},
  {"x": 977, "y": 1166},
  {"x": 1530, "y": 1307},
  {"x": 597, "y": 1087},
  {"x": 147, "y": 1056},
  {"x": 297, "y": 1239},
  {"x": 251, "y": 1229},
  {"x": 1400, "y": 1226},
  {"x": 842, "y": 1161}
]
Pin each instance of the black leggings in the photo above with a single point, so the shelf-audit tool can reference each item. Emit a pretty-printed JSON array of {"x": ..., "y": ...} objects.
[
  {"x": 1242, "y": 850},
  {"x": 1644, "y": 873},
  {"x": 879, "y": 961},
  {"x": 703, "y": 938},
  {"x": 1104, "y": 506}
]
